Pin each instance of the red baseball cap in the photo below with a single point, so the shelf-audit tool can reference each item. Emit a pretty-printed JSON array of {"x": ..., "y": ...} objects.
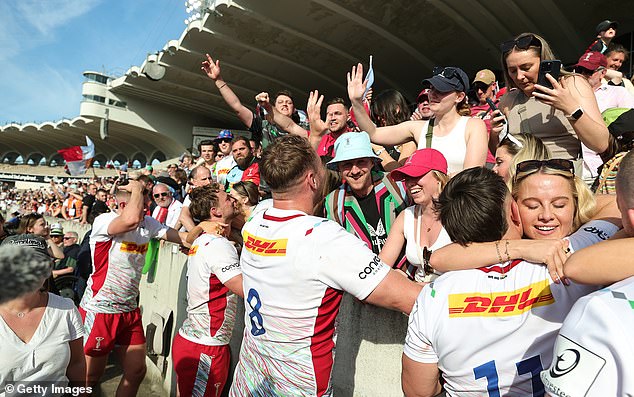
[
  {"x": 424, "y": 92},
  {"x": 420, "y": 163},
  {"x": 592, "y": 60}
]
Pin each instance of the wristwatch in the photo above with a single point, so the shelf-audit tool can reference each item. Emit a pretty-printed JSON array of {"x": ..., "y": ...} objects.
[{"x": 576, "y": 115}]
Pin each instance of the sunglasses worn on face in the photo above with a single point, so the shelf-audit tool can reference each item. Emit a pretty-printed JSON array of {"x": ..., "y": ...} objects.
[
  {"x": 521, "y": 43},
  {"x": 449, "y": 73},
  {"x": 68, "y": 238},
  {"x": 224, "y": 140},
  {"x": 535, "y": 165},
  {"x": 157, "y": 195}
]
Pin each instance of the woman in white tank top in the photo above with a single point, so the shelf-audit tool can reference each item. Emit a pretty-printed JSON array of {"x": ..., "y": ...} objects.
[
  {"x": 462, "y": 140},
  {"x": 425, "y": 174}
]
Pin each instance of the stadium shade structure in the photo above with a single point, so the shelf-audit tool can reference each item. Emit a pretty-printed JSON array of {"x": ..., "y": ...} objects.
[{"x": 157, "y": 108}]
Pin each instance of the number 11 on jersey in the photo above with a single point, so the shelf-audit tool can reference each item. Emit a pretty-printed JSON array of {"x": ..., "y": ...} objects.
[{"x": 531, "y": 365}]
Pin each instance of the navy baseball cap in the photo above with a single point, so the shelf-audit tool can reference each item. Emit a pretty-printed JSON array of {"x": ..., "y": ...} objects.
[{"x": 448, "y": 79}]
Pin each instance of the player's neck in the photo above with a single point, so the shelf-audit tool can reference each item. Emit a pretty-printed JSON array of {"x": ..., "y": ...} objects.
[{"x": 290, "y": 203}]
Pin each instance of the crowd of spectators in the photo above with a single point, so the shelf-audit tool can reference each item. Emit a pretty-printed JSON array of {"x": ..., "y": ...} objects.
[{"x": 499, "y": 175}]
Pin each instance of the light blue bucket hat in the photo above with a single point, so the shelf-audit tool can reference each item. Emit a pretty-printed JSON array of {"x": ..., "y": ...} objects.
[{"x": 350, "y": 146}]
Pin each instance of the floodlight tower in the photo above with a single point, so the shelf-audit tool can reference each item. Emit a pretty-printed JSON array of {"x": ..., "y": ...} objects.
[{"x": 196, "y": 9}]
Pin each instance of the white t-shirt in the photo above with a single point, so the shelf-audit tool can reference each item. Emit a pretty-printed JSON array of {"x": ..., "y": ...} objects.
[
  {"x": 491, "y": 327},
  {"x": 223, "y": 166},
  {"x": 294, "y": 269},
  {"x": 594, "y": 351},
  {"x": 117, "y": 262},
  {"x": 47, "y": 354},
  {"x": 211, "y": 307}
]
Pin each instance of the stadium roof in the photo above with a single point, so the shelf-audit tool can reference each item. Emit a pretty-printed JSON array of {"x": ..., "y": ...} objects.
[{"x": 306, "y": 45}]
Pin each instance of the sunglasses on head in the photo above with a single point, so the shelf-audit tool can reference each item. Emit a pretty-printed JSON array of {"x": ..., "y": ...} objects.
[
  {"x": 521, "y": 43},
  {"x": 163, "y": 194},
  {"x": 535, "y": 165},
  {"x": 449, "y": 73}
]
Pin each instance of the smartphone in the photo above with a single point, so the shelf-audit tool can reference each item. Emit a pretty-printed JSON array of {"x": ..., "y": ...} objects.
[
  {"x": 551, "y": 67},
  {"x": 493, "y": 107}
]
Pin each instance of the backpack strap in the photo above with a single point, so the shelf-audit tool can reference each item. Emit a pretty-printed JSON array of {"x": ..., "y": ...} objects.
[{"x": 430, "y": 133}]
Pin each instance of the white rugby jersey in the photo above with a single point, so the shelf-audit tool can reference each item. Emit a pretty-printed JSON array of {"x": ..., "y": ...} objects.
[
  {"x": 294, "y": 269},
  {"x": 211, "y": 307},
  {"x": 117, "y": 262},
  {"x": 490, "y": 329},
  {"x": 223, "y": 166},
  {"x": 594, "y": 351}
]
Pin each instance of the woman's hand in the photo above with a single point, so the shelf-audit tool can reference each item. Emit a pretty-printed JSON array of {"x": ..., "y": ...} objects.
[
  {"x": 356, "y": 84},
  {"x": 558, "y": 97},
  {"x": 552, "y": 253}
]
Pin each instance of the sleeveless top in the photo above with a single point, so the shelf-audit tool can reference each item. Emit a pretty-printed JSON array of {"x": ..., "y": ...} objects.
[
  {"x": 453, "y": 145},
  {"x": 528, "y": 115},
  {"x": 414, "y": 252}
]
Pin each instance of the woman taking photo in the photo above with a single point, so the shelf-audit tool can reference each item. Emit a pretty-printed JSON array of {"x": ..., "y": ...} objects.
[
  {"x": 418, "y": 226},
  {"x": 562, "y": 116},
  {"x": 460, "y": 138}
]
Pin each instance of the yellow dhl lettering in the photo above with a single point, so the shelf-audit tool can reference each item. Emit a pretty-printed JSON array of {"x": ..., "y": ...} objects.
[
  {"x": 133, "y": 248},
  {"x": 264, "y": 247},
  {"x": 501, "y": 304},
  {"x": 193, "y": 250}
]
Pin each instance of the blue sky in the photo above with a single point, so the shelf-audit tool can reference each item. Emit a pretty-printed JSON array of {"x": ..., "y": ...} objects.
[{"x": 45, "y": 45}]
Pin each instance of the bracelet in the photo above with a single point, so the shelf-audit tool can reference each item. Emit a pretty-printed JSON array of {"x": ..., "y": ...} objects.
[
  {"x": 222, "y": 86},
  {"x": 380, "y": 151},
  {"x": 497, "y": 249},
  {"x": 506, "y": 251}
]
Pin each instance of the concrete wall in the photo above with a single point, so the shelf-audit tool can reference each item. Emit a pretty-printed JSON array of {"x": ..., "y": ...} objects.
[{"x": 369, "y": 342}]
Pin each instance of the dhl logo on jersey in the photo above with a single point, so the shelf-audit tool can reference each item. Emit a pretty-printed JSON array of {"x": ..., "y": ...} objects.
[
  {"x": 193, "y": 250},
  {"x": 264, "y": 247},
  {"x": 130, "y": 247},
  {"x": 501, "y": 304}
]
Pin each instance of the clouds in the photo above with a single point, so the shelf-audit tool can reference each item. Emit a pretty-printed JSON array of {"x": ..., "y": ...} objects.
[
  {"x": 47, "y": 44},
  {"x": 50, "y": 94},
  {"x": 46, "y": 16},
  {"x": 34, "y": 86},
  {"x": 27, "y": 24}
]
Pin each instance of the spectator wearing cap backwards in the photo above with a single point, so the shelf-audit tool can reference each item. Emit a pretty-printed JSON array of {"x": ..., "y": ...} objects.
[
  {"x": 606, "y": 31},
  {"x": 225, "y": 164},
  {"x": 593, "y": 65},
  {"x": 485, "y": 87},
  {"x": 368, "y": 201},
  {"x": 461, "y": 139}
]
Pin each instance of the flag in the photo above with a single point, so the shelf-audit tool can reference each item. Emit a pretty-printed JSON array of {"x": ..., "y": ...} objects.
[
  {"x": 78, "y": 158},
  {"x": 369, "y": 77}
]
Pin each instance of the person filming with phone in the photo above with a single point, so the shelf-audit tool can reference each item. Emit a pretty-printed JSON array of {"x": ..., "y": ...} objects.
[{"x": 556, "y": 106}]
